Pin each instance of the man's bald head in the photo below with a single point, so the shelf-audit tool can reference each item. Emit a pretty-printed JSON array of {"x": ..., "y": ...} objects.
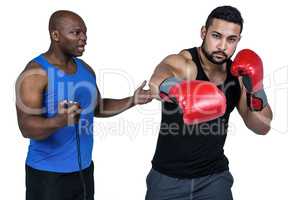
[
  {"x": 67, "y": 32},
  {"x": 59, "y": 17}
]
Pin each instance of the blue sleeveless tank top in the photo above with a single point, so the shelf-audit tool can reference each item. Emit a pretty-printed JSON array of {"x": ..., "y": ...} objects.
[{"x": 58, "y": 152}]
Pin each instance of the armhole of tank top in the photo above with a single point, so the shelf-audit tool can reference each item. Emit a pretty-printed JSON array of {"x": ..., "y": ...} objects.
[
  {"x": 86, "y": 68},
  {"x": 40, "y": 61},
  {"x": 228, "y": 67}
]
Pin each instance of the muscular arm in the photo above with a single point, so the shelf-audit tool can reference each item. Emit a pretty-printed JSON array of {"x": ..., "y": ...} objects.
[
  {"x": 178, "y": 65},
  {"x": 29, "y": 89},
  {"x": 106, "y": 107},
  {"x": 174, "y": 80},
  {"x": 110, "y": 107},
  {"x": 258, "y": 122}
]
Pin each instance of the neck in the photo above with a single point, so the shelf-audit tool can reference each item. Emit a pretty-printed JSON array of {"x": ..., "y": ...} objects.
[
  {"x": 56, "y": 56},
  {"x": 208, "y": 65}
]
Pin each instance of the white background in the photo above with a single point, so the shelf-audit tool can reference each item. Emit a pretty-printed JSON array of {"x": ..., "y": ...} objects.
[{"x": 126, "y": 40}]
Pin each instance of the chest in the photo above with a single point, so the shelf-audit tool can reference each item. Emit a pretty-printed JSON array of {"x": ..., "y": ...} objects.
[
  {"x": 80, "y": 88},
  {"x": 218, "y": 77}
]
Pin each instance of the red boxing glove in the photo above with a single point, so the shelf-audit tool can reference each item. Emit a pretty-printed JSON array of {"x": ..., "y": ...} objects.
[
  {"x": 200, "y": 101},
  {"x": 249, "y": 65}
]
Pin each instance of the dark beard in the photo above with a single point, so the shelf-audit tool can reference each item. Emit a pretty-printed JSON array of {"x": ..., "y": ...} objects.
[{"x": 211, "y": 58}]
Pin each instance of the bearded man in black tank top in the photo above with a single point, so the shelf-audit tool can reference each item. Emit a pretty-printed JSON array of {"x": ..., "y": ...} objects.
[{"x": 199, "y": 88}]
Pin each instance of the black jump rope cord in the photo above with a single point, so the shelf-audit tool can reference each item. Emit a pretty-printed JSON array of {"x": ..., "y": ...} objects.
[{"x": 79, "y": 162}]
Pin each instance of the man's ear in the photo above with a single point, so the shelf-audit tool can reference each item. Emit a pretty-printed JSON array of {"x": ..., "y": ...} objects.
[
  {"x": 203, "y": 32},
  {"x": 55, "y": 36}
]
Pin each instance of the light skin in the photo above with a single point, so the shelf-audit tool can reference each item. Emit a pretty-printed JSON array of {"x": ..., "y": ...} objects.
[
  {"x": 220, "y": 40},
  {"x": 68, "y": 39}
]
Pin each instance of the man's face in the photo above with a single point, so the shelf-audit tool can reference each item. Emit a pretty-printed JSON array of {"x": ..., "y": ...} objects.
[
  {"x": 220, "y": 40},
  {"x": 72, "y": 36}
]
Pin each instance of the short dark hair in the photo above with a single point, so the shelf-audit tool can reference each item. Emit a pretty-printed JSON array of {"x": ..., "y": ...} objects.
[{"x": 227, "y": 13}]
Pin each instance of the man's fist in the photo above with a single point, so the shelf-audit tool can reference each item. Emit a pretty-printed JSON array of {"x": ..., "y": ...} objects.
[
  {"x": 200, "y": 101},
  {"x": 249, "y": 65},
  {"x": 68, "y": 112}
]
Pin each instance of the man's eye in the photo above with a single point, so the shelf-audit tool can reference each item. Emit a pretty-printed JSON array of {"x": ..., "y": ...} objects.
[
  {"x": 215, "y": 36},
  {"x": 75, "y": 32},
  {"x": 232, "y": 40}
]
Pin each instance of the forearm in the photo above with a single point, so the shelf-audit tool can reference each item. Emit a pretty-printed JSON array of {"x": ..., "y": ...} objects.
[
  {"x": 38, "y": 128},
  {"x": 257, "y": 121},
  {"x": 111, "y": 107},
  {"x": 260, "y": 121},
  {"x": 161, "y": 73}
]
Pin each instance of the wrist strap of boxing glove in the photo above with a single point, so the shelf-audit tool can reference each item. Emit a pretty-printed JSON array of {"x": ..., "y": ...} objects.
[
  {"x": 165, "y": 87},
  {"x": 257, "y": 101}
]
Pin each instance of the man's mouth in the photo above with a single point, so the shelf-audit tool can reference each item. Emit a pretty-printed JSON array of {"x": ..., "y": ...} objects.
[
  {"x": 80, "y": 48},
  {"x": 220, "y": 55}
]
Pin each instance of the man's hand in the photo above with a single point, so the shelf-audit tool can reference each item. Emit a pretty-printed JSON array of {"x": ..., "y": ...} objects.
[
  {"x": 249, "y": 65},
  {"x": 68, "y": 113},
  {"x": 200, "y": 101},
  {"x": 142, "y": 96}
]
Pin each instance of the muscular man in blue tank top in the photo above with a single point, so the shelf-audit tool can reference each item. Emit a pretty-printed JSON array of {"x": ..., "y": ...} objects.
[{"x": 57, "y": 99}]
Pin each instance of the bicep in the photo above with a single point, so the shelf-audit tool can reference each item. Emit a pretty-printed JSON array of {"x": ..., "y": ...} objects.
[{"x": 29, "y": 91}]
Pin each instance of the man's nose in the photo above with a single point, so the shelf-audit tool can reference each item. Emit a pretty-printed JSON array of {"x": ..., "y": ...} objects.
[
  {"x": 83, "y": 37},
  {"x": 222, "y": 45}
]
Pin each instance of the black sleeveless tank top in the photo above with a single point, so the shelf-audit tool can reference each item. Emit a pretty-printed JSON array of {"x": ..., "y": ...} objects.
[{"x": 191, "y": 151}]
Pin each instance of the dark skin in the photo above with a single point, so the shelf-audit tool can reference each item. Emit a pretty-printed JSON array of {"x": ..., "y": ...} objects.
[{"x": 68, "y": 39}]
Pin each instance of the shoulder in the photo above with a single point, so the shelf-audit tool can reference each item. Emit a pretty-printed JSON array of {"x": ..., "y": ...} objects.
[
  {"x": 33, "y": 78},
  {"x": 182, "y": 63},
  {"x": 185, "y": 54},
  {"x": 33, "y": 72},
  {"x": 190, "y": 69},
  {"x": 32, "y": 65},
  {"x": 183, "y": 57}
]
